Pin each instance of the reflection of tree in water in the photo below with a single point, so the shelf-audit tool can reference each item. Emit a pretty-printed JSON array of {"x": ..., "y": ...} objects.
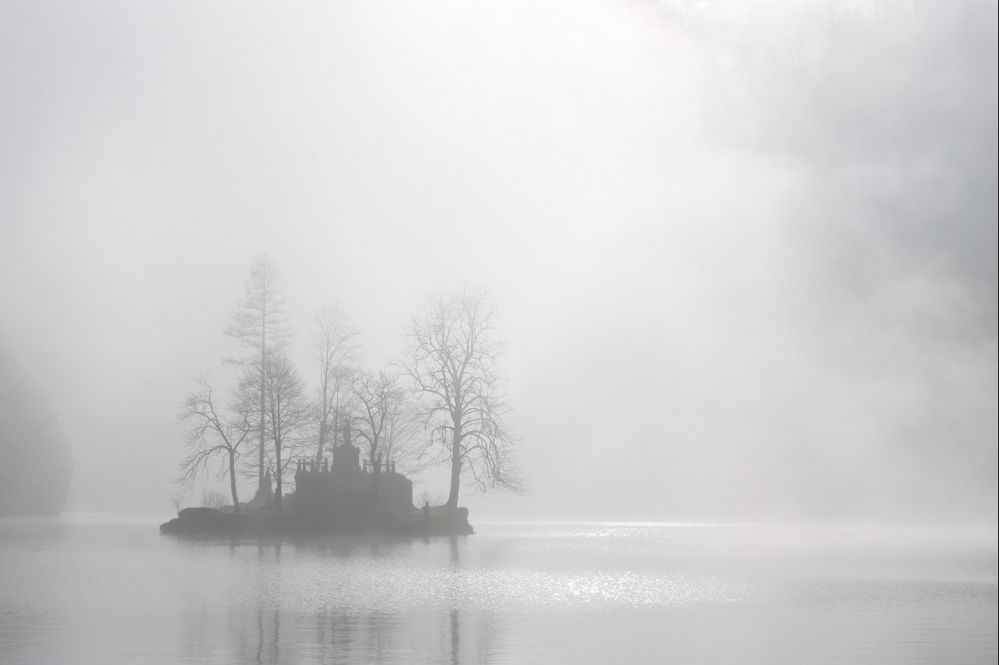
[
  {"x": 471, "y": 633},
  {"x": 454, "y": 622},
  {"x": 268, "y": 646},
  {"x": 339, "y": 636},
  {"x": 455, "y": 625},
  {"x": 261, "y": 619}
]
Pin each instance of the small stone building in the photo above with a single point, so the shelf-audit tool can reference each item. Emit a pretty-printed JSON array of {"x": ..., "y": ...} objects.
[{"x": 348, "y": 486}]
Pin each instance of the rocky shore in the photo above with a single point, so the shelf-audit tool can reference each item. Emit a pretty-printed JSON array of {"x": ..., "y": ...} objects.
[{"x": 213, "y": 523}]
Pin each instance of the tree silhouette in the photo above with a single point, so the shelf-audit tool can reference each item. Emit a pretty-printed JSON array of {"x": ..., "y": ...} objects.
[
  {"x": 259, "y": 323},
  {"x": 452, "y": 361},
  {"x": 35, "y": 468},
  {"x": 211, "y": 435}
]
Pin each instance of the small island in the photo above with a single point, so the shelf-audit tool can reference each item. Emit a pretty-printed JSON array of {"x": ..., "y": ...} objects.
[
  {"x": 440, "y": 402},
  {"x": 347, "y": 497}
]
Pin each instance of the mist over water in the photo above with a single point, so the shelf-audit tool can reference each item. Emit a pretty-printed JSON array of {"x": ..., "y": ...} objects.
[
  {"x": 743, "y": 258},
  {"x": 99, "y": 592}
]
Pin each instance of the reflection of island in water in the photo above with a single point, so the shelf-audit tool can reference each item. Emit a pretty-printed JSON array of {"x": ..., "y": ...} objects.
[
  {"x": 343, "y": 498},
  {"x": 267, "y": 627}
]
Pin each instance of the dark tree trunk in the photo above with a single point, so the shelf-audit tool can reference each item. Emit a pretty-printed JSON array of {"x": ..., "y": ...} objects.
[
  {"x": 322, "y": 441},
  {"x": 232, "y": 483},
  {"x": 452, "y": 499},
  {"x": 375, "y": 477},
  {"x": 263, "y": 377},
  {"x": 279, "y": 498},
  {"x": 323, "y": 426}
]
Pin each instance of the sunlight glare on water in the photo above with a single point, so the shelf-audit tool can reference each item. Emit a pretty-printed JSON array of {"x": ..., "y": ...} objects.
[{"x": 94, "y": 591}]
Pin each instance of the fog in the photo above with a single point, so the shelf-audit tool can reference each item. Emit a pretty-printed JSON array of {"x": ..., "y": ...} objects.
[{"x": 744, "y": 253}]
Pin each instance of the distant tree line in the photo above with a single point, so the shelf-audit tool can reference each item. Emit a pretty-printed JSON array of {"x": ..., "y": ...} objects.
[
  {"x": 440, "y": 403},
  {"x": 35, "y": 462}
]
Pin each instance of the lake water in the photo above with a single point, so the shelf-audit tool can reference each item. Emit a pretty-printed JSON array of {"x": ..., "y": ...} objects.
[{"x": 97, "y": 590}]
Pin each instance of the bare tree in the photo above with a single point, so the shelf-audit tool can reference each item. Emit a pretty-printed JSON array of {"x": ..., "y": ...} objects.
[
  {"x": 403, "y": 427},
  {"x": 288, "y": 413},
  {"x": 259, "y": 324},
  {"x": 211, "y": 435},
  {"x": 452, "y": 361},
  {"x": 379, "y": 400},
  {"x": 335, "y": 345}
]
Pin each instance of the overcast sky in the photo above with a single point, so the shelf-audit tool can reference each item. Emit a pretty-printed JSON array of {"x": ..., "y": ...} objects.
[{"x": 744, "y": 252}]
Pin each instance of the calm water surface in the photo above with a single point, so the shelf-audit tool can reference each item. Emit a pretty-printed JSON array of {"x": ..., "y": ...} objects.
[{"x": 97, "y": 590}]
